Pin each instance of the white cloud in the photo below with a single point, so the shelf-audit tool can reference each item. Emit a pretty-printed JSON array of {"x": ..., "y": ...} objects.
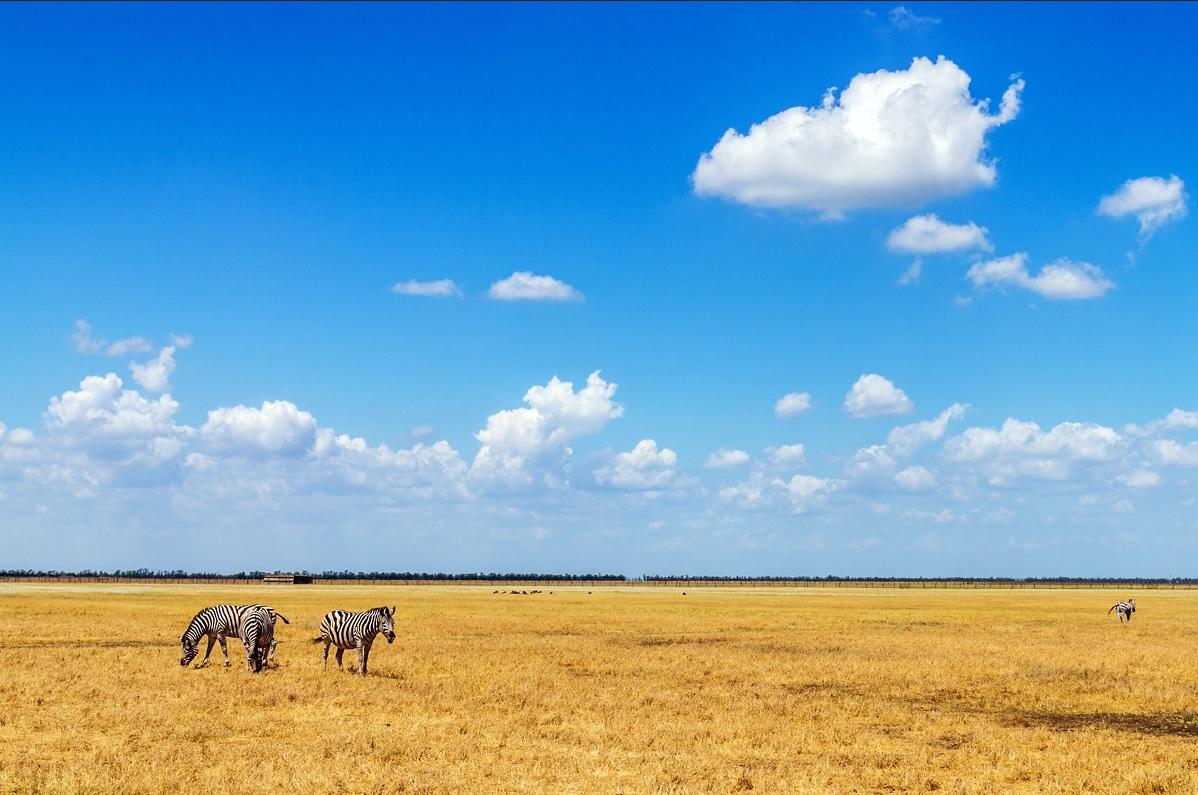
[
  {"x": 806, "y": 491},
  {"x": 891, "y": 139},
  {"x": 904, "y": 18},
  {"x": 788, "y": 455},
  {"x": 1059, "y": 280},
  {"x": 1140, "y": 479},
  {"x": 1176, "y": 419},
  {"x": 515, "y": 439},
  {"x": 440, "y": 288},
  {"x": 927, "y": 234},
  {"x": 906, "y": 439},
  {"x": 155, "y": 374},
  {"x": 94, "y": 346},
  {"x": 873, "y": 396},
  {"x": 915, "y": 478},
  {"x": 1173, "y": 453},
  {"x": 182, "y": 341},
  {"x": 725, "y": 459},
  {"x": 525, "y": 286},
  {"x": 912, "y": 275},
  {"x": 277, "y": 428},
  {"x": 644, "y": 467},
  {"x": 1022, "y": 449},
  {"x": 792, "y": 404},
  {"x": 1152, "y": 200}
]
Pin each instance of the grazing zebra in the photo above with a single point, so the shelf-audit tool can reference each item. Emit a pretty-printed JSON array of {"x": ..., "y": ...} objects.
[
  {"x": 355, "y": 631},
  {"x": 257, "y": 631},
  {"x": 219, "y": 622},
  {"x": 1124, "y": 610}
]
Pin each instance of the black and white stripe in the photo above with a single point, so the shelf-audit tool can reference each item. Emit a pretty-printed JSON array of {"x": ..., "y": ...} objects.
[
  {"x": 217, "y": 623},
  {"x": 257, "y": 633},
  {"x": 348, "y": 630},
  {"x": 1124, "y": 609}
]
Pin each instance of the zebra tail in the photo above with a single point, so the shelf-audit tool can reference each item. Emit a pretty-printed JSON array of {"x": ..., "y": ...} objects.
[
  {"x": 317, "y": 640},
  {"x": 1112, "y": 609},
  {"x": 280, "y": 615}
]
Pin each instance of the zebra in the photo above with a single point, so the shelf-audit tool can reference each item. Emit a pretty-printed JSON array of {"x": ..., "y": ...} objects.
[
  {"x": 219, "y": 622},
  {"x": 257, "y": 632},
  {"x": 1123, "y": 610},
  {"x": 355, "y": 631}
]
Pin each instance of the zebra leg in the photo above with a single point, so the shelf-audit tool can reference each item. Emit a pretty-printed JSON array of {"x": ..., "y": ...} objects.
[
  {"x": 365, "y": 657},
  {"x": 211, "y": 643},
  {"x": 361, "y": 658},
  {"x": 325, "y": 665},
  {"x": 224, "y": 649},
  {"x": 340, "y": 651}
]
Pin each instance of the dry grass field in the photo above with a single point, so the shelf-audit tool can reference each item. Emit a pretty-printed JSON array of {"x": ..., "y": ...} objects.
[{"x": 619, "y": 690}]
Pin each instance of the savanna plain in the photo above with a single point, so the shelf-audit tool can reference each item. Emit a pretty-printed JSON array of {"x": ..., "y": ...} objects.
[{"x": 615, "y": 690}]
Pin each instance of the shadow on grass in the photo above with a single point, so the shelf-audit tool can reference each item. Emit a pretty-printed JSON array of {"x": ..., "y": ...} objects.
[{"x": 1175, "y": 724}]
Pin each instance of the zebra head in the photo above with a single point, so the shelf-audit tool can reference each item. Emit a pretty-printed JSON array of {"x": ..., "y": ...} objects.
[
  {"x": 387, "y": 627},
  {"x": 1131, "y": 605},
  {"x": 190, "y": 649}
]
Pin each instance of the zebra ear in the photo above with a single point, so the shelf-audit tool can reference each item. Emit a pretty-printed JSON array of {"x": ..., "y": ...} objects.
[{"x": 392, "y": 613}]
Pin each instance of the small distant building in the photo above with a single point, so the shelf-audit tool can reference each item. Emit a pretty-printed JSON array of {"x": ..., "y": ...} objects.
[{"x": 287, "y": 579}]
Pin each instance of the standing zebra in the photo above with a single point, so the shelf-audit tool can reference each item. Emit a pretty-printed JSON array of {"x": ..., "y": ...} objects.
[
  {"x": 257, "y": 633},
  {"x": 355, "y": 631},
  {"x": 217, "y": 623},
  {"x": 1124, "y": 610}
]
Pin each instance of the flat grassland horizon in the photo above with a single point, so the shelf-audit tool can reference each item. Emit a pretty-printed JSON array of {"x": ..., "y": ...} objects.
[{"x": 619, "y": 690}]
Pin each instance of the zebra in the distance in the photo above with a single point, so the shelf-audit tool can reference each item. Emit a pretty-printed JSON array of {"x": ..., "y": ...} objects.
[
  {"x": 349, "y": 630},
  {"x": 1124, "y": 609},
  {"x": 217, "y": 623},
  {"x": 257, "y": 633}
]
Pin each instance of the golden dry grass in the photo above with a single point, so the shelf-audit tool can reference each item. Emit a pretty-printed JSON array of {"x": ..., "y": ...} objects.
[{"x": 622, "y": 690}]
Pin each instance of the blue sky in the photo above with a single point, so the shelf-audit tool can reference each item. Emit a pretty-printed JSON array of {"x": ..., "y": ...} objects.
[{"x": 247, "y": 185}]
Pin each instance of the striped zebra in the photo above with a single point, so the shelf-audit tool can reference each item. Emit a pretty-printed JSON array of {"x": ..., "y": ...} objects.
[
  {"x": 257, "y": 631},
  {"x": 349, "y": 630},
  {"x": 1123, "y": 610},
  {"x": 217, "y": 623}
]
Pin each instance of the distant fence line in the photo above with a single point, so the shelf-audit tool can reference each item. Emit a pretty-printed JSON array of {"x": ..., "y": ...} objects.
[{"x": 652, "y": 583}]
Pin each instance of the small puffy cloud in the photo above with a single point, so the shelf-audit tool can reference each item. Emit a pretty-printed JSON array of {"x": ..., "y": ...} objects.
[
  {"x": 279, "y": 427},
  {"x": 182, "y": 341},
  {"x": 726, "y": 459},
  {"x": 874, "y": 396},
  {"x": 644, "y": 467},
  {"x": 904, "y": 18},
  {"x": 94, "y": 346},
  {"x": 1153, "y": 201},
  {"x": 155, "y": 374},
  {"x": 927, "y": 234},
  {"x": 1140, "y": 479},
  {"x": 792, "y": 404},
  {"x": 786, "y": 456},
  {"x": 915, "y": 478},
  {"x": 891, "y": 139},
  {"x": 806, "y": 491},
  {"x": 1177, "y": 419},
  {"x": 525, "y": 286},
  {"x": 1174, "y": 453},
  {"x": 906, "y": 439},
  {"x": 515, "y": 439},
  {"x": 440, "y": 288},
  {"x": 1059, "y": 280}
]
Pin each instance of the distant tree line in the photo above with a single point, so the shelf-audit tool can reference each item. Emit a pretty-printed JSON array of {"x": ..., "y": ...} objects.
[
  {"x": 838, "y": 578},
  {"x": 179, "y": 574}
]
